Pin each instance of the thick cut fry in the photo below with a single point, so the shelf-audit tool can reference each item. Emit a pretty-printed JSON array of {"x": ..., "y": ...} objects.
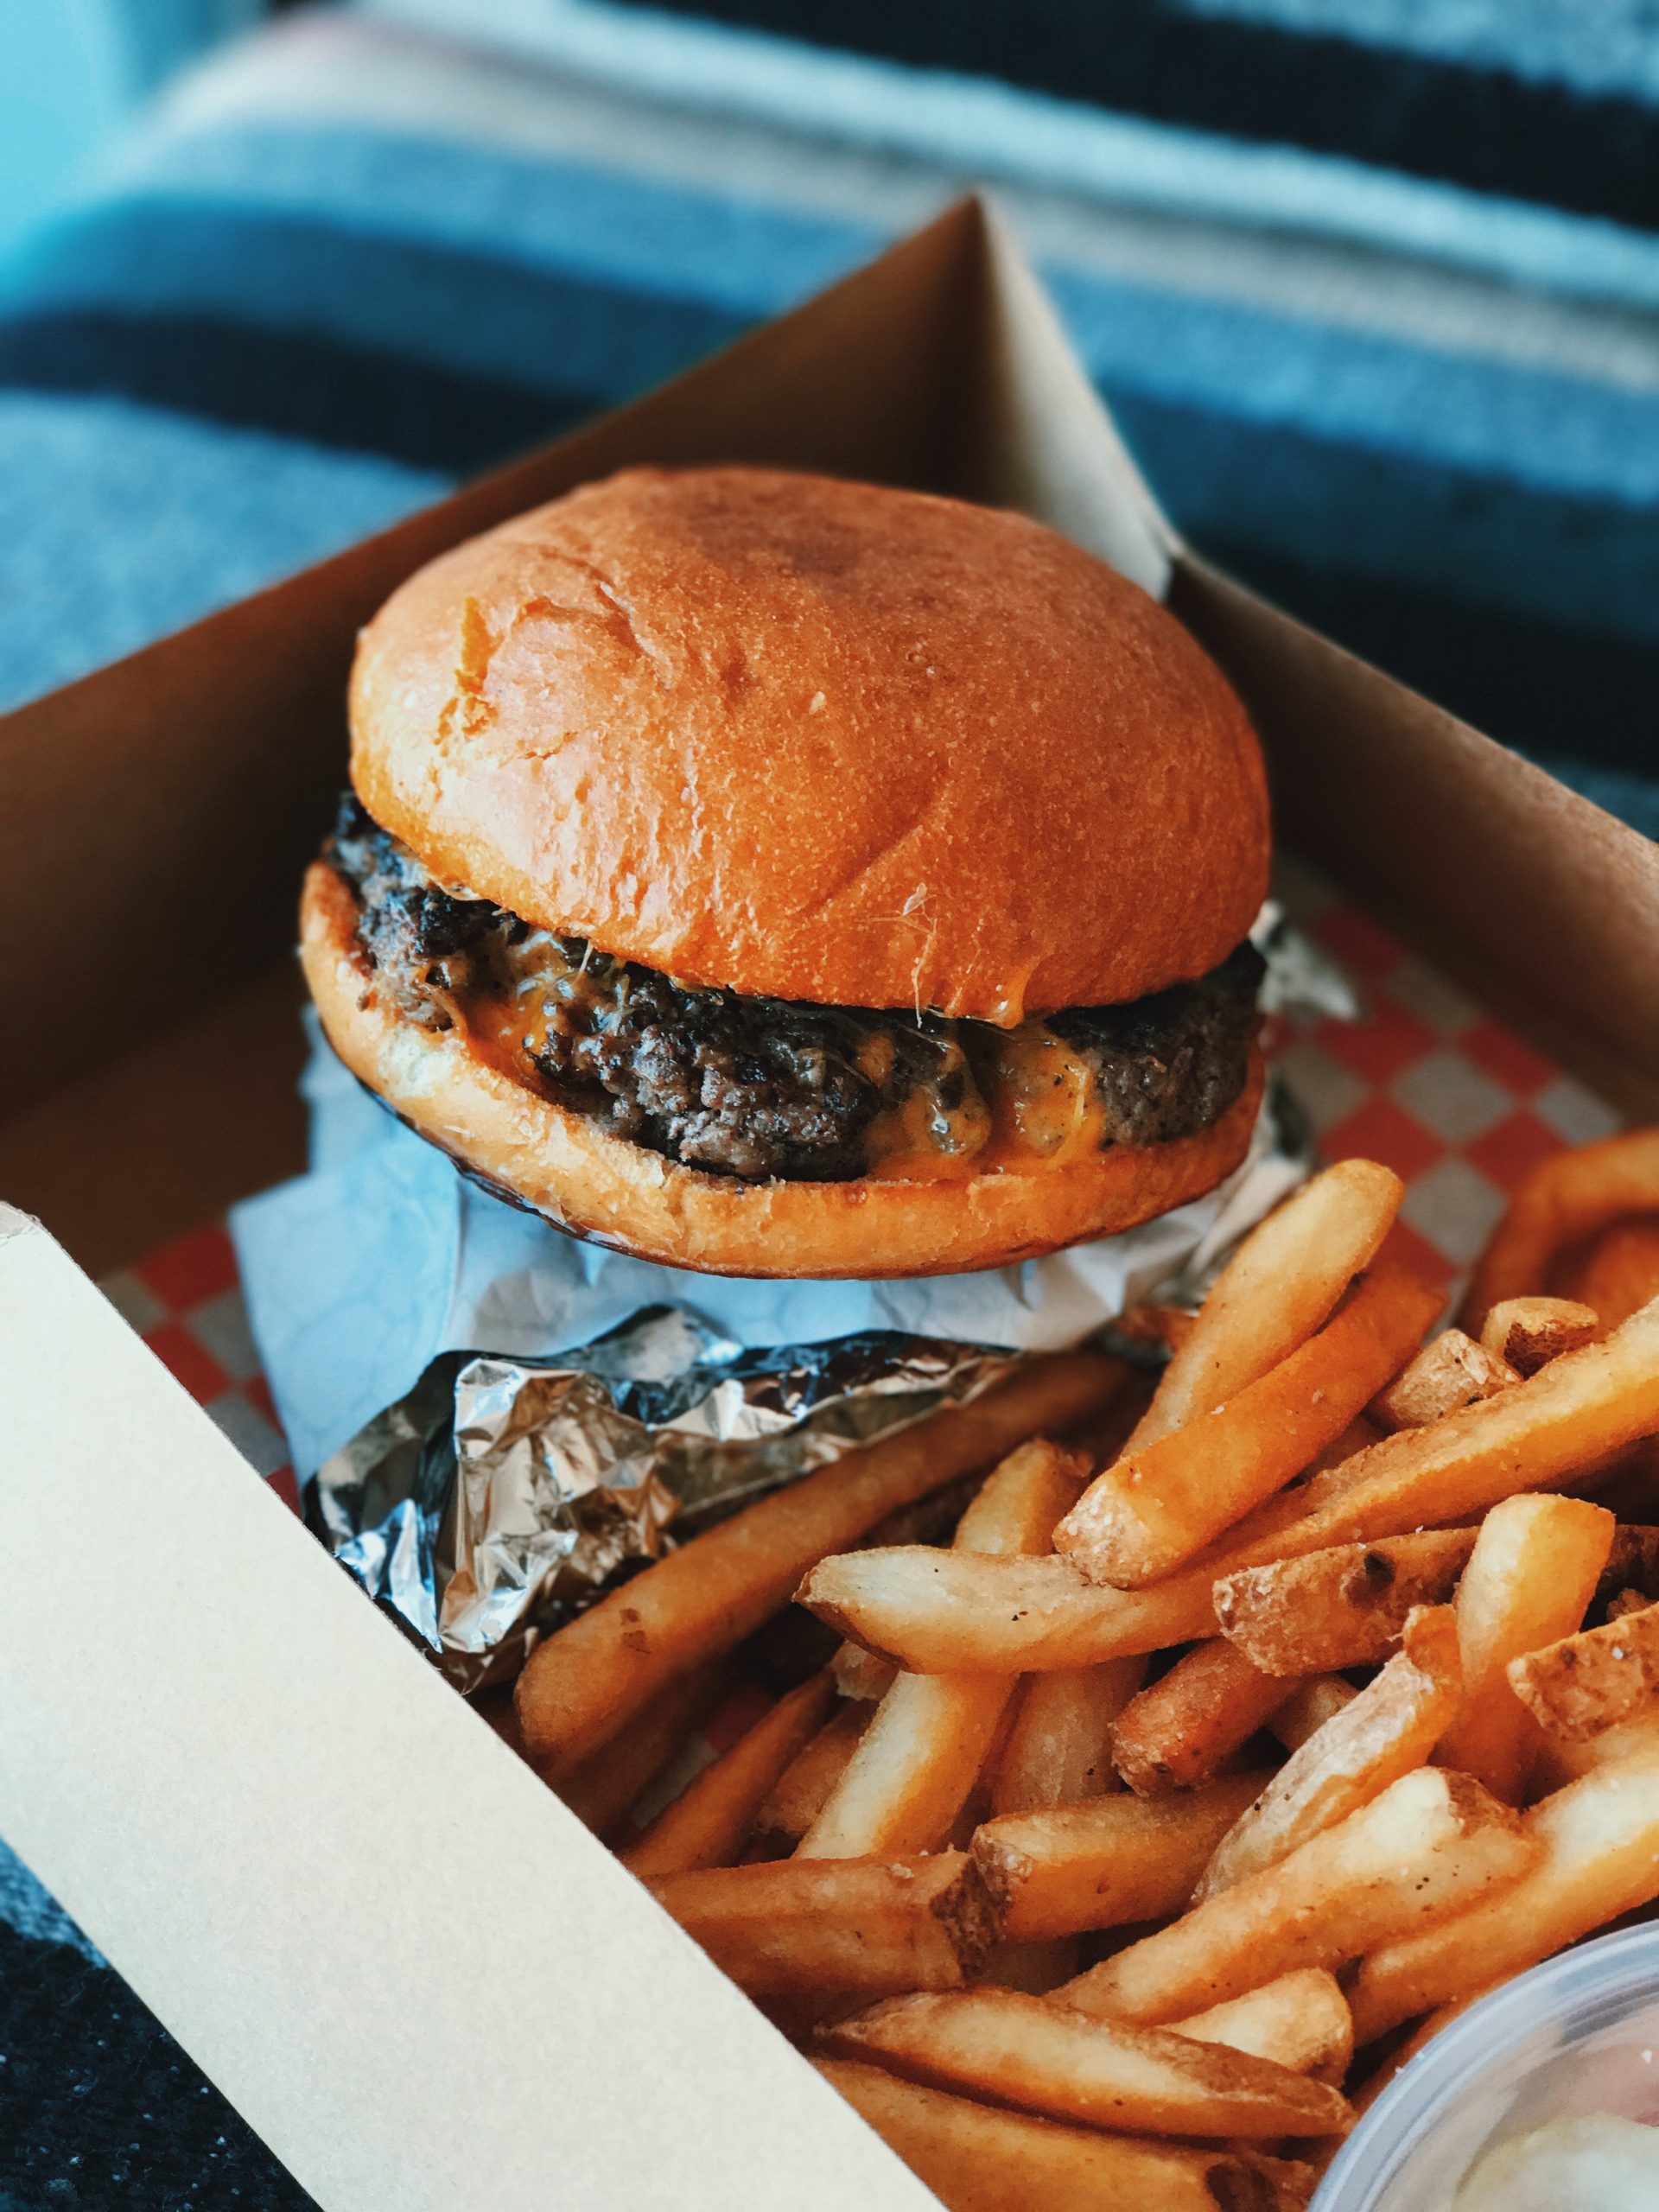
[
  {"x": 1282, "y": 1285},
  {"x": 1430, "y": 1843},
  {"x": 709, "y": 1822},
  {"x": 1106, "y": 1863},
  {"x": 1560, "y": 1761},
  {"x": 1532, "y": 1574},
  {"x": 976, "y": 2158},
  {"x": 959, "y": 1613},
  {"x": 1342, "y": 1607},
  {"x": 1593, "y": 1680},
  {"x": 917, "y": 1763},
  {"x": 1301, "y": 2021},
  {"x": 1596, "y": 1845},
  {"x": 801, "y": 1927},
  {"x": 1359, "y": 1435},
  {"x": 1308, "y": 1708},
  {"x": 1176, "y": 1733},
  {"x": 1619, "y": 1271},
  {"x": 1567, "y": 1196},
  {"x": 1570, "y": 1414},
  {"x": 1159, "y": 1505},
  {"x": 860, "y": 1674},
  {"x": 584, "y": 1685},
  {"x": 1527, "y": 1333},
  {"x": 1059, "y": 1748},
  {"x": 1391, "y": 1727},
  {"x": 1452, "y": 1372},
  {"x": 803, "y": 1788},
  {"x": 601, "y": 1790},
  {"x": 1014, "y": 2050}
]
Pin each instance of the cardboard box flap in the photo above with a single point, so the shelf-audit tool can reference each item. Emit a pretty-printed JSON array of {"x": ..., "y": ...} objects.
[
  {"x": 1538, "y": 901},
  {"x": 414, "y": 1973}
]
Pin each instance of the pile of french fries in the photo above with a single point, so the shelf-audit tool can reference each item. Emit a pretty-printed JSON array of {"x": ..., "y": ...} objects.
[{"x": 1224, "y": 1729}]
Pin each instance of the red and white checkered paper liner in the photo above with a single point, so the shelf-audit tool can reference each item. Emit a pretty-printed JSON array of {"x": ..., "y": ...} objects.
[{"x": 1426, "y": 1082}]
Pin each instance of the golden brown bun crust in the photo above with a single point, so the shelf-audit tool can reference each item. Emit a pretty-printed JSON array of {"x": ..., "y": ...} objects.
[
  {"x": 815, "y": 739},
  {"x": 613, "y": 1192}
]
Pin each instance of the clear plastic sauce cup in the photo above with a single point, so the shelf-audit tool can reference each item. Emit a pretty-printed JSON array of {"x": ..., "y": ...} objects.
[{"x": 1575, "y": 2037}]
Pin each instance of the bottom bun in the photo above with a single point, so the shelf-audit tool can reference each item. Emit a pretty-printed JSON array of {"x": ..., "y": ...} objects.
[{"x": 599, "y": 1186}]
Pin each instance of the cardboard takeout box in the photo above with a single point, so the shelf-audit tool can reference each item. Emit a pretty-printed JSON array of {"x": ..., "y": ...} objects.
[{"x": 415, "y": 1974}]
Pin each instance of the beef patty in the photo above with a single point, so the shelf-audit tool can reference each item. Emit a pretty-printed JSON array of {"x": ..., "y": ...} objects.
[{"x": 761, "y": 1088}]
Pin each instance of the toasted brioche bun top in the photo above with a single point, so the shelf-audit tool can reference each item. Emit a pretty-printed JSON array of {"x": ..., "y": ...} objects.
[{"x": 815, "y": 739}]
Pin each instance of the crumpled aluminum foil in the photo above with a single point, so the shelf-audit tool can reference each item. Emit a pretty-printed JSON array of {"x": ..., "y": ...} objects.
[{"x": 501, "y": 1496}]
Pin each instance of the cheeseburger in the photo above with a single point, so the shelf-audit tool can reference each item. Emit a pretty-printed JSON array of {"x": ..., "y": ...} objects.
[{"x": 779, "y": 876}]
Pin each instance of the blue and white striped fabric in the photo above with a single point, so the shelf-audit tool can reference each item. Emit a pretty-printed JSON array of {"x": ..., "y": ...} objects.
[{"x": 357, "y": 258}]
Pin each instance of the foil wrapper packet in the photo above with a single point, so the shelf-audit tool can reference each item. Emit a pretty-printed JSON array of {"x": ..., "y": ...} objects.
[{"x": 503, "y": 1492}]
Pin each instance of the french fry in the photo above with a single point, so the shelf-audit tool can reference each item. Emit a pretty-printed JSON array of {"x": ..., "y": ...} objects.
[
  {"x": 1560, "y": 1762},
  {"x": 1527, "y": 1333},
  {"x": 933, "y": 1611},
  {"x": 1450, "y": 1372},
  {"x": 1533, "y": 1572},
  {"x": 1358, "y": 1436},
  {"x": 601, "y": 1790},
  {"x": 1597, "y": 1846},
  {"x": 1572, "y": 1413},
  {"x": 802, "y": 1789},
  {"x": 1307, "y": 1708},
  {"x": 585, "y": 1684},
  {"x": 1619, "y": 1270},
  {"x": 1301, "y": 2021},
  {"x": 1341, "y": 1607},
  {"x": 1059, "y": 1748},
  {"x": 860, "y": 1674},
  {"x": 1162, "y": 1503},
  {"x": 1282, "y": 1285},
  {"x": 915, "y": 1765},
  {"x": 712, "y": 1819},
  {"x": 976, "y": 2158},
  {"x": 1431, "y": 1842},
  {"x": 959, "y": 1613},
  {"x": 1583, "y": 1684},
  {"x": 1043, "y": 2057},
  {"x": 1104, "y": 1865},
  {"x": 801, "y": 1927},
  {"x": 1391, "y": 1727},
  {"x": 1567, "y": 1196},
  {"x": 1177, "y": 1732}
]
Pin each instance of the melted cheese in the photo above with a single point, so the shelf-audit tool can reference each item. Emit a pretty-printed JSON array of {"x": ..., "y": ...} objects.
[
  {"x": 1026, "y": 1103},
  {"x": 1047, "y": 1108}
]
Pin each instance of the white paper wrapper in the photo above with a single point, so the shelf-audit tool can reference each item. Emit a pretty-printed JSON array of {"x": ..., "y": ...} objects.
[{"x": 360, "y": 1272}]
